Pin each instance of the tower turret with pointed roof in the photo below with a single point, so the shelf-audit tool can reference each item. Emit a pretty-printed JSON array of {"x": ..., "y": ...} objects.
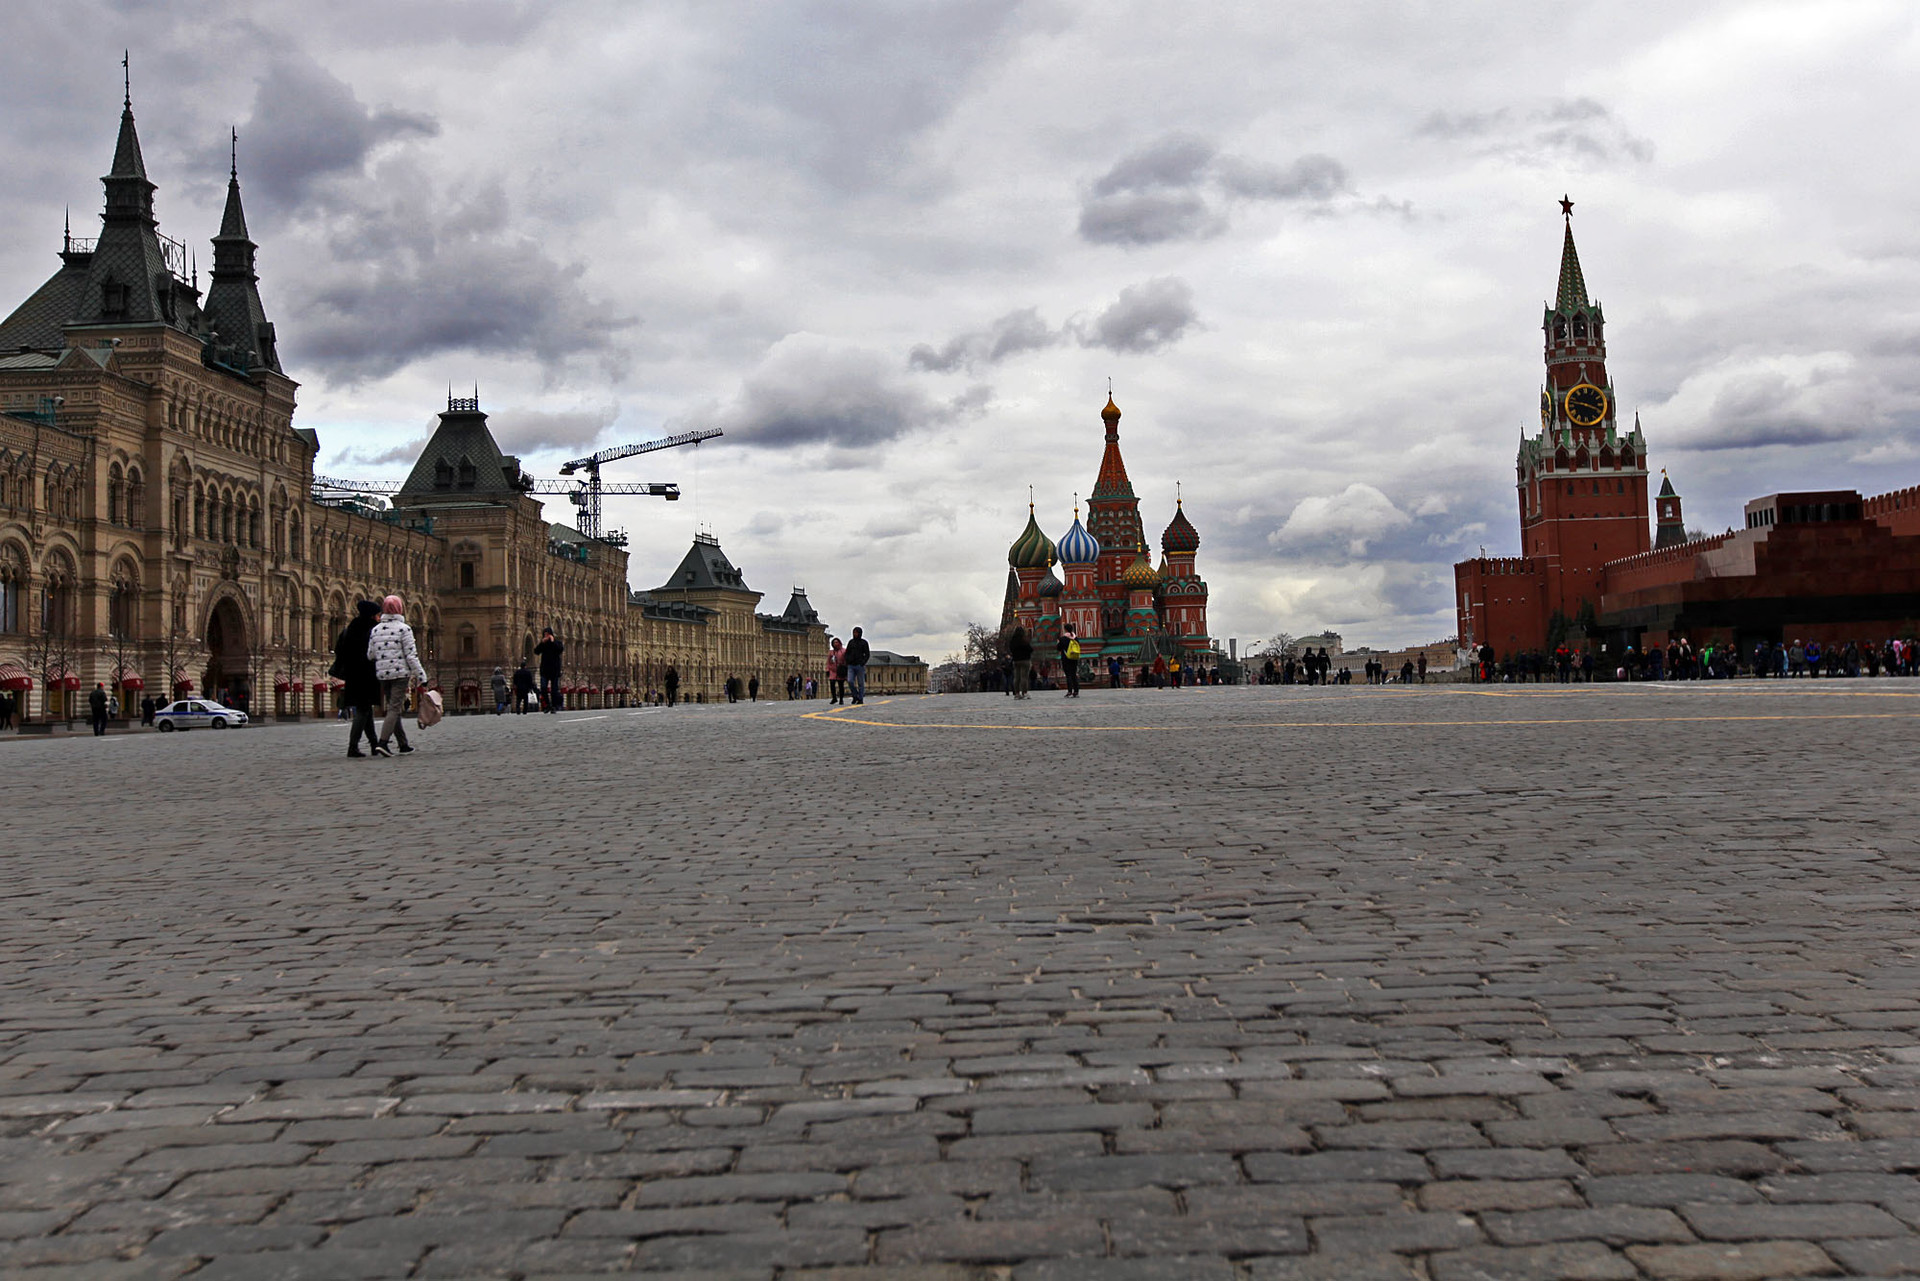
[
  {"x": 1672, "y": 527},
  {"x": 241, "y": 335},
  {"x": 1113, "y": 518},
  {"x": 1582, "y": 480},
  {"x": 1183, "y": 593}
]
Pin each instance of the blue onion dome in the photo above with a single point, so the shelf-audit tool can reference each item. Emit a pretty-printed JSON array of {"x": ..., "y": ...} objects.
[
  {"x": 1077, "y": 546},
  {"x": 1051, "y": 586},
  {"x": 1033, "y": 549},
  {"x": 1181, "y": 536},
  {"x": 1141, "y": 574}
]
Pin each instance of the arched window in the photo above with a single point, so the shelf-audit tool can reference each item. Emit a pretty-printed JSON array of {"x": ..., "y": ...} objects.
[
  {"x": 56, "y": 596},
  {"x": 1580, "y": 327},
  {"x": 123, "y": 603},
  {"x": 467, "y": 473},
  {"x": 136, "y": 498},
  {"x": 293, "y": 536},
  {"x": 199, "y": 512},
  {"x": 253, "y": 522},
  {"x": 13, "y": 586},
  {"x": 442, "y": 475},
  {"x": 115, "y": 484},
  {"x": 1560, "y": 328}
]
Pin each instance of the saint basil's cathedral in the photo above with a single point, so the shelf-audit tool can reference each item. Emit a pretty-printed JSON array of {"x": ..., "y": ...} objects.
[{"x": 1119, "y": 604}]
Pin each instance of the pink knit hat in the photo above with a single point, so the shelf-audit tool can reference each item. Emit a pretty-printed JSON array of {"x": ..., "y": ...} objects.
[{"x": 394, "y": 605}]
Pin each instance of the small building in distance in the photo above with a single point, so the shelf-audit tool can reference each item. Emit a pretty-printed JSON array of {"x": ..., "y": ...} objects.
[
  {"x": 891, "y": 673},
  {"x": 702, "y": 623}
]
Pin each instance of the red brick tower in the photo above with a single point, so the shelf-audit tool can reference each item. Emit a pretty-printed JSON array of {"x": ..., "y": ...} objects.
[
  {"x": 1582, "y": 483},
  {"x": 1113, "y": 518},
  {"x": 1183, "y": 591}
]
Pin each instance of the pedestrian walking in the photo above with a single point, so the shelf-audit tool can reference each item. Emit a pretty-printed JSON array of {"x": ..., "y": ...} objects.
[
  {"x": 6, "y": 711},
  {"x": 97, "y": 708},
  {"x": 855, "y": 657},
  {"x": 395, "y": 660},
  {"x": 1069, "y": 647},
  {"x": 1020, "y": 651},
  {"x": 522, "y": 688},
  {"x": 753, "y": 688},
  {"x": 837, "y": 671},
  {"x": 672, "y": 681},
  {"x": 549, "y": 651},
  {"x": 499, "y": 692},
  {"x": 354, "y": 668},
  {"x": 1114, "y": 672},
  {"x": 732, "y": 687},
  {"x": 147, "y": 707}
]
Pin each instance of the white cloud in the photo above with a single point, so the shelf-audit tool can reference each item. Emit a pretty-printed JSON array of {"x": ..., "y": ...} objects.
[{"x": 1356, "y": 516}]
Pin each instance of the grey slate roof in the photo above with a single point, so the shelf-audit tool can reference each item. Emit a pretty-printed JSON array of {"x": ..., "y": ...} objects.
[
  {"x": 462, "y": 459},
  {"x": 799, "y": 609},
  {"x": 35, "y": 323},
  {"x": 234, "y": 311},
  {"x": 705, "y": 567}
]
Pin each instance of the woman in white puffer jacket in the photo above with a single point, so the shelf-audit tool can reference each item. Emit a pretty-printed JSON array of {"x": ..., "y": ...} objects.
[{"x": 395, "y": 659}]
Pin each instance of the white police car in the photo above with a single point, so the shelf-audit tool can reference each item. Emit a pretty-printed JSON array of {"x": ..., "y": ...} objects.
[{"x": 192, "y": 713}]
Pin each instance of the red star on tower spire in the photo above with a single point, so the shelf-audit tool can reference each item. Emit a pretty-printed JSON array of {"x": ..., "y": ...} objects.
[{"x": 1566, "y": 207}]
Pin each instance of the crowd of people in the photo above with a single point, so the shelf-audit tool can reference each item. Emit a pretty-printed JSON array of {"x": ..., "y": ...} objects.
[{"x": 1680, "y": 659}]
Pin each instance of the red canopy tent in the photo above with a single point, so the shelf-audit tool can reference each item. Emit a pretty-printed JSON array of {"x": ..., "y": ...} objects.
[{"x": 14, "y": 677}]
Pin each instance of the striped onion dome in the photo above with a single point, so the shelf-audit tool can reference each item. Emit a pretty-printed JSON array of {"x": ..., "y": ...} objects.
[
  {"x": 1181, "y": 536},
  {"x": 1033, "y": 549},
  {"x": 1077, "y": 546}
]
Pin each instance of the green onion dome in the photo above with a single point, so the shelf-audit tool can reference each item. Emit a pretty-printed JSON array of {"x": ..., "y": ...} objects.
[{"x": 1033, "y": 549}]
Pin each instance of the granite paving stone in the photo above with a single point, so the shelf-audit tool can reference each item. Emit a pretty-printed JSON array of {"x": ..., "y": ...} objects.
[{"x": 1447, "y": 982}]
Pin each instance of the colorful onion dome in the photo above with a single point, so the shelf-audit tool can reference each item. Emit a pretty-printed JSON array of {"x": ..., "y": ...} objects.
[
  {"x": 1033, "y": 549},
  {"x": 1077, "y": 546},
  {"x": 1181, "y": 536},
  {"x": 1141, "y": 574},
  {"x": 1051, "y": 586}
]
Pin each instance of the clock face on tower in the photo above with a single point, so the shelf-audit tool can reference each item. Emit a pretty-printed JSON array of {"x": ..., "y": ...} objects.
[
  {"x": 1586, "y": 404},
  {"x": 1546, "y": 408}
]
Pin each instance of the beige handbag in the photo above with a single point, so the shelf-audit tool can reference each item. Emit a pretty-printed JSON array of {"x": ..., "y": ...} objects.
[{"x": 428, "y": 708}]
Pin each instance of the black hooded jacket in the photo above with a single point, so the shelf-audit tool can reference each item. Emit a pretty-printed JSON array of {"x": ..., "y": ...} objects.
[{"x": 350, "y": 661}]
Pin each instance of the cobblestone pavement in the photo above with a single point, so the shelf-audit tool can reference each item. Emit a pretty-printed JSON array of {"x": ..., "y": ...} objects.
[{"x": 1447, "y": 983}]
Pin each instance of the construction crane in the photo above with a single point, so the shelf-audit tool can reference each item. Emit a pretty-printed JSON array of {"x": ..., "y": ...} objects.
[
  {"x": 334, "y": 490},
  {"x": 588, "y": 499}
]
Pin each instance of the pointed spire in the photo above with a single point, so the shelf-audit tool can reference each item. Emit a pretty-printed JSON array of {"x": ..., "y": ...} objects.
[
  {"x": 1573, "y": 285},
  {"x": 129, "y": 194}
]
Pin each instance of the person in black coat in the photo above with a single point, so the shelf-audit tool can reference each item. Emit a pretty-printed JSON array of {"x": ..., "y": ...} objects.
[{"x": 351, "y": 664}]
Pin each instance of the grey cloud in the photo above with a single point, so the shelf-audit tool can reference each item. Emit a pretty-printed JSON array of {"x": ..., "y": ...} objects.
[
  {"x": 531, "y": 431},
  {"x": 809, "y": 391},
  {"x": 1565, "y": 131},
  {"x": 1308, "y": 178},
  {"x": 403, "y": 453},
  {"x": 1011, "y": 334},
  {"x": 307, "y": 125},
  {"x": 1168, "y": 190},
  {"x": 1145, "y": 318},
  {"x": 1177, "y": 160},
  {"x": 1148, "y": 218}
]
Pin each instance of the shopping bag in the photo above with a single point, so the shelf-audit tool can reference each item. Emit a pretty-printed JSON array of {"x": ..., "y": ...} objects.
[{"x": 428, "y": 708}]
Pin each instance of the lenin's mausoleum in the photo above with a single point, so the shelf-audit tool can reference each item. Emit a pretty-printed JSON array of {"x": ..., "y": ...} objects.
[{"x": 1827, "y": 566}]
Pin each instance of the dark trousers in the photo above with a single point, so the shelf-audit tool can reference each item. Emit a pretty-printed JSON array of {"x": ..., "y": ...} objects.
[
  {"x": 1072, "y": 669},
  {"x": 362, "y": 724},
  {"x": 673, "y": 695},
  {"x": 99, "y": 724},
  {"x": 550, "y": 691}
]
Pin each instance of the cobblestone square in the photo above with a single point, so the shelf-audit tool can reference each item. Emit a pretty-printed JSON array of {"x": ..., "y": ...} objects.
[{"x": 1444, "y": 982}]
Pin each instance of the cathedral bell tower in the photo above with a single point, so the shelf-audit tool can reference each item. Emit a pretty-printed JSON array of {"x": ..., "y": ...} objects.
[{"x": 1582, "y": 480}]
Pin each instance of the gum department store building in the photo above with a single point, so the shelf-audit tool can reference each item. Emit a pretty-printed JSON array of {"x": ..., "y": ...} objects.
[{"x": 159, "y": 529}]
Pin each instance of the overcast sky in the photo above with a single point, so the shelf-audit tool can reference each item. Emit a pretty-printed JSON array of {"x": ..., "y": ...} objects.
[{"x": 896, "y": 250}]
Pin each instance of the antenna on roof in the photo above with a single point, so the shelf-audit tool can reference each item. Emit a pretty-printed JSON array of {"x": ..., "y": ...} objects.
[
  {"x": 126, "y": 72},
  {"x": 66, "y": 234},
  {"x": 233, "y": 161}
]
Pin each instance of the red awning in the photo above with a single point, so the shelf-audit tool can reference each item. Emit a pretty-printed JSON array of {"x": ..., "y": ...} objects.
[
  {"x": 297, "y": 687},
  {"x": 469, "y": 684},
  {"x": 132, "y": 682},
  {"x": 14, "y": 677},
  {"x": 337, "y": 684},
  {"x": 180, "y": 679},
  {"x": 281, "y": 684},
  {"x": 71, "y": 684}
]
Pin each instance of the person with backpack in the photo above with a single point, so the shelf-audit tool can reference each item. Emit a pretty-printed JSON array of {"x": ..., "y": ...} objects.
[{"x": 1069, "y": 647}]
